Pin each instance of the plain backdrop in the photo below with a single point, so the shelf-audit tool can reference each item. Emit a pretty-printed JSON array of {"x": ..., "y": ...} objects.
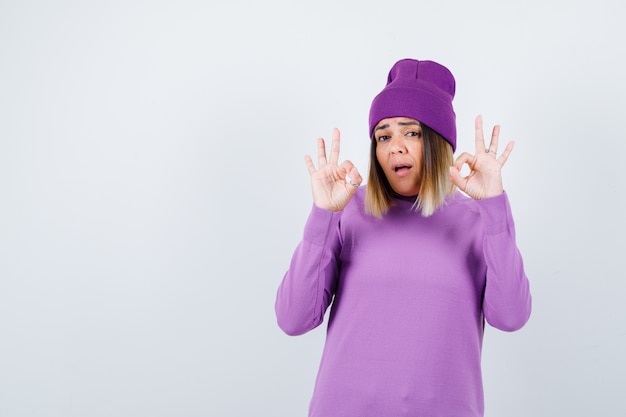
[{"x": 152, "y": 190}]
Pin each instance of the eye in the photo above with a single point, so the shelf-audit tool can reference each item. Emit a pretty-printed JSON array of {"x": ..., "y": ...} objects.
[
  {"x": 383, "y": 138},
  {"x": 414, "y": 133}
]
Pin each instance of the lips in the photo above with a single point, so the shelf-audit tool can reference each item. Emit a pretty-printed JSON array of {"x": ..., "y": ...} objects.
[{"x": 401, "y": 169}]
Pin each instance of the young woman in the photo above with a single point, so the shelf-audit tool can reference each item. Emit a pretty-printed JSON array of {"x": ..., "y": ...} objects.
[{"x": 412, "y": 266}]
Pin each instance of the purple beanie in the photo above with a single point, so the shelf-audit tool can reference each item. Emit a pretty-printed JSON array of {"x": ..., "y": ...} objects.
[{"x": 421, "y": 90}]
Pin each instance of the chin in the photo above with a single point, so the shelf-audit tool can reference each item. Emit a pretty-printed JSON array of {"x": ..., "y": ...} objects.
[{"x": 407, "y": 193}]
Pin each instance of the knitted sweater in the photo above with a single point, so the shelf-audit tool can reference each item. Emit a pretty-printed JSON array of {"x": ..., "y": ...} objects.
[{"x": 409, "y": 296}]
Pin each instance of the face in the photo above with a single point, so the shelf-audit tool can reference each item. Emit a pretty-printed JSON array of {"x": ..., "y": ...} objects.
[{"x": 400, "y": 152}]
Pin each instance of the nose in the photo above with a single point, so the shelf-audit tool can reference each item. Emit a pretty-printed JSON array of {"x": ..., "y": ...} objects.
[{"x": 397, "y": 145}]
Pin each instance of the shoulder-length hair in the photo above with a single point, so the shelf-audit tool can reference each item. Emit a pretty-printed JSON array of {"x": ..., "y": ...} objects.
[{"x": 435, "y": 184}]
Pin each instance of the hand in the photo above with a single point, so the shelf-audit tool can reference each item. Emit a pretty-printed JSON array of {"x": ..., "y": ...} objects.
[
  {"x": 333, "y": 185},
  {"x": 485, "y": 177}
]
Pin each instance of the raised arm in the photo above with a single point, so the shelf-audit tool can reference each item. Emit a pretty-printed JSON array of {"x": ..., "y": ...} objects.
[
  {"x": 308, "y": 287},
  {"x": 507, "y": 299}
]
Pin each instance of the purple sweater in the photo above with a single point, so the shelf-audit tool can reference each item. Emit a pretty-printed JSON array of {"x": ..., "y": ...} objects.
[{"x": 409, "y": 298}]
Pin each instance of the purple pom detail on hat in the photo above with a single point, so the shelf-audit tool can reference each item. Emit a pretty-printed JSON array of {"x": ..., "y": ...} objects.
[{"x": 421, "y": 90}]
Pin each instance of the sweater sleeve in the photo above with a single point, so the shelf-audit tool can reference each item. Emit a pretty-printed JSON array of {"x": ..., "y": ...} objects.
[
  {"x": 309, "y": 284},
  {"x": 507, "y": 300}
]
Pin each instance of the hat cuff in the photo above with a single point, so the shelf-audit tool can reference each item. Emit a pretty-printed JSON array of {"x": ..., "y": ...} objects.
[{"x": 418, "y": 104}]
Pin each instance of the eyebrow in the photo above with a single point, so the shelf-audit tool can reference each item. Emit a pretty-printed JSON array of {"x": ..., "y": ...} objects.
[
  {"x": 381, "y": 127},
  {"x": 385, "y": 126}
]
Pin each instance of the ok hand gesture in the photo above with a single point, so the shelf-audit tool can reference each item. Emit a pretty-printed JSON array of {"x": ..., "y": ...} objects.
[
  {"x": 485, "y": 177},
  {"x": 333, "y": 185}
]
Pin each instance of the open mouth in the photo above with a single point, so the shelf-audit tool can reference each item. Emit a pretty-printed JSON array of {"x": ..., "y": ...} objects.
[{"x": 400, "y": 168}]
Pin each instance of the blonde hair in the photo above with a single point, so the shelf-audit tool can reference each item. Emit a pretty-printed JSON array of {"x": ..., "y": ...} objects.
[{"x": 435, "y": 184}]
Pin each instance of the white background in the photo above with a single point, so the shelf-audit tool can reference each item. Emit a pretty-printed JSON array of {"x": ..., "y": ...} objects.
[{"x": 152, "y": 190}]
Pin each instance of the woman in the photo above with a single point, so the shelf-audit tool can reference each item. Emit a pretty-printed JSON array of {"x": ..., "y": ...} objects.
[{"x": 412, "y": 266}]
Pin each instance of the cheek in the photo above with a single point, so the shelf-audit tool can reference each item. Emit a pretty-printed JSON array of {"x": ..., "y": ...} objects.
[{"x": 418, "y": 153}]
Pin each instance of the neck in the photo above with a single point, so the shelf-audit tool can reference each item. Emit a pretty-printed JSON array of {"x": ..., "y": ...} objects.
[{"x": 410, "y": 198}]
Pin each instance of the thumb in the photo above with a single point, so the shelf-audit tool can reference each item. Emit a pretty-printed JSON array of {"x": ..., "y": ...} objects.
[{"x": 354, "y": 177}]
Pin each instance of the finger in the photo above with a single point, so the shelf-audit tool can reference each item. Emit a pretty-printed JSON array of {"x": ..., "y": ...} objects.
[
  {"x": 464, "y": 158},
  {"x": 334, "y": 147},
  {"x": 356, "y": 176},
  {"x": 480, "y": 137},
  {"x": 321, "y": 153},
  {"x": 309, "y": 164},
  {"x": 457, "y": 179},
  {"x": 346, "y": 166},
  {"x": 353, "y": 176},
  {"x": 507, "y": 151},
  {"x": 493, "y": 145}
]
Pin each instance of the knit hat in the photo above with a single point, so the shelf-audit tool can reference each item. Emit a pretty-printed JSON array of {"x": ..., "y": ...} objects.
[{"x": 421, "y": 90}]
